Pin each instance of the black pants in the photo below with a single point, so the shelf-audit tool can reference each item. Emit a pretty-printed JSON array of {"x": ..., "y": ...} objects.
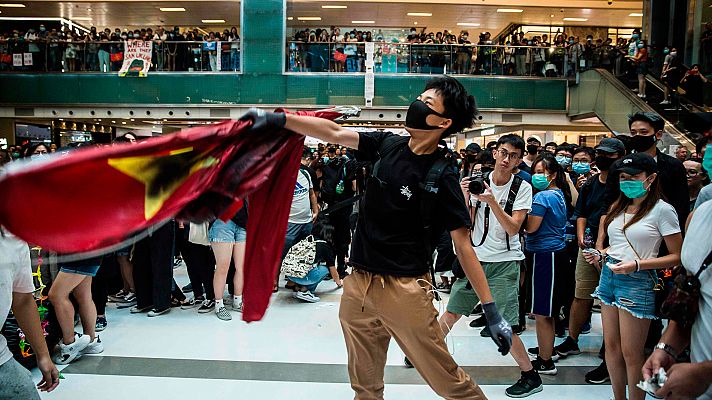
[
  {"x": 200, "y": 263},
  {"x": 153, "y": 268},
  {"x": 342, "y": 236},
  {"x": 107, "y": 280}
]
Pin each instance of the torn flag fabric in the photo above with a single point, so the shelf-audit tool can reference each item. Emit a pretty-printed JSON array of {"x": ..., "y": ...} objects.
[{"x": 91, "y": 199}]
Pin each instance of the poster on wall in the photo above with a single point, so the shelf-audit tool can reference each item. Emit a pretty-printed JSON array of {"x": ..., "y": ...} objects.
[
  {"x": 137, "y": 58},
  {"x": 27, "y": 59},
  {"x": 17, "y": 60}
]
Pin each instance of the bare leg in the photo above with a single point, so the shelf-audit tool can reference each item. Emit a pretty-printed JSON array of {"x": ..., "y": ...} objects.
[
  {"x": 545, "y": 336},
  {"x": 614, "y": 356},
  {"x": 87, "y": 309},
  {"x": 580, "y": 309},
  {"x": 447, "y": 321},
  {"x": 63, "y": 307},
  {"x": 632, "y": 349},
  {"x": 519, "y": 353},
  {"x": 238, "y": 255},
  {"x": 126, "y": 273},
  {"x": 223, "y": 253}
]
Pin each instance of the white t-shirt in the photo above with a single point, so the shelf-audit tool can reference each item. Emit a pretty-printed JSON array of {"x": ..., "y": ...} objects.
[
  {"x": 645, "y": 235},
  {"x": 15, "y": 276},
  {"x": 695, "y": 248},
  {"x": 300, "y": 213},
  {"x": 494, "y": 249}
]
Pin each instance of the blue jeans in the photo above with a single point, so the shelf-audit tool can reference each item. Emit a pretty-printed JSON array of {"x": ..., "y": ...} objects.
[
  {"x": 226, "y": 232},
  {"x": 631, "y": 292},
  {"x": 295, "y": 234},
  {"x": 312, "y": 279}
]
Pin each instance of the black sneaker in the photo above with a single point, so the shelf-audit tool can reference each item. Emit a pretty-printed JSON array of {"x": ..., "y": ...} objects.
[
  {"x": 568, "y": 347},
  {"x": 544, "y": 367},
  {"x": 207, "y": 306},
  {"x": 599, "y": 375},
  {"x": 187, "y": 288},
  {"x": 586, "y": 329},
  {"x": 525, "y": 386},
  {"x": 100, "y": 324},
  {"x": 477, "y": 310},
  {"x": 407, "y": 363},
  {"x": 479, "y": 322},
  {"x": 518, "y": 329},
  {"x": 486, "y": 332},
  {"x": 534, "y": 351}
]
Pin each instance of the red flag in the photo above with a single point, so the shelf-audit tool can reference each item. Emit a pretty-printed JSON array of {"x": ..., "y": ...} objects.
[{"x": 91, "y": 199}]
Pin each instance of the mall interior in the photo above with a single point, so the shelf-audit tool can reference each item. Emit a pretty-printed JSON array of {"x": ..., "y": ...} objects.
[{"x": 88, "y": 74}]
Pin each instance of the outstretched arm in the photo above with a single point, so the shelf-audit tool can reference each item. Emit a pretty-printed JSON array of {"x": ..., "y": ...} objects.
[{"x": 322, "y": 129}]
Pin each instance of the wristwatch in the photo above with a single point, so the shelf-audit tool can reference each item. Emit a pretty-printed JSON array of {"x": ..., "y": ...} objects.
[{"x": 666, "y": 348}]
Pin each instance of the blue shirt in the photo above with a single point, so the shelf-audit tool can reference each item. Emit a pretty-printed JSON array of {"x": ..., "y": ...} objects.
[
  {"x": 524, "y": 175},
  {"x": 551, "y": 206}
]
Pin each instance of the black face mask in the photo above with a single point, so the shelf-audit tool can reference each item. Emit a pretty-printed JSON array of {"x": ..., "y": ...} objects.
[
  {"x": 532, "y": 149},
  {"x": 471, "y": 158},
  {"x": 642, "y": 143},
  {"x": 604, "y": 163},
  {"x": 418, "y": 112}
]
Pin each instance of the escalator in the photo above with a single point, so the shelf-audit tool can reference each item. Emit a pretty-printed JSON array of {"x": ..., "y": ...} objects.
[{"x": 599, "y": 93}]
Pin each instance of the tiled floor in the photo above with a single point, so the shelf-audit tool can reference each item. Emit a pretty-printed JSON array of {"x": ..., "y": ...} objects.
[{"x": 296, "y": 352}]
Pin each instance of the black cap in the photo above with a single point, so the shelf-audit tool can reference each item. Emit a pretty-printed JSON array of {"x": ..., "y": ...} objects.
[
  {"x": 473, "y": 147},
  {"x": 635, "y": 163},
  {"x": 611, "y": 145}
]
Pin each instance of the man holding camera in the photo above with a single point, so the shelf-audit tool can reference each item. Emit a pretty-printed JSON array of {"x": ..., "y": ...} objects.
[{"x": 499, "y": 202}]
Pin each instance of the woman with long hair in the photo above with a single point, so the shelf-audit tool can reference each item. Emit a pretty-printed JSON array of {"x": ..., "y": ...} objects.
[
  {"x": 636, "y": 225},
  {"x": 546, "y": 230}
]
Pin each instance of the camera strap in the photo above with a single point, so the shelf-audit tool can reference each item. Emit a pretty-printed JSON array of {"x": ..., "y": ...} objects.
[
  {"x": 706, "y": 263},
  {"x": 508, "y": 209}
]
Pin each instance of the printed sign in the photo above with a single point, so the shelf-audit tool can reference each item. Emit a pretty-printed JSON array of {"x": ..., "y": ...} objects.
[
  {"x": 17, "y": 60},
  {"x": 28, "y": 59},
  {"x": 137, "y": 58}
]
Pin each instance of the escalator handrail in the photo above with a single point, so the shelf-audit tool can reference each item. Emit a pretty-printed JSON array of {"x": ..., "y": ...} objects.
[{"x": 692, "y": 107}]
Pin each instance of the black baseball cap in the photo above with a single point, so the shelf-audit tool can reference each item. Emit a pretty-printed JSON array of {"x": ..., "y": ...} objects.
[
  {"x": 611, "y": 145},
  {"x": 635, "y": 163},
  {"x": 473, "y": 147}
]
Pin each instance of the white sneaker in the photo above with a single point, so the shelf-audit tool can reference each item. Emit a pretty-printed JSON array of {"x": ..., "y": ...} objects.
[
  {"x": 237, "y": 307},
  {"x": 95, "y": 347},
  {"x": 306, "y": 296},
  {"x": 664, "y": 102},
  {"x": 70, "y": 352}
]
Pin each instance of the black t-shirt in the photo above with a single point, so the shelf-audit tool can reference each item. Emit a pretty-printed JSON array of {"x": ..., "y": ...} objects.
[
  {"x": 591, "y": 196},
  {"x": 389, "y": 237},
  {"x": 241, "y": 217},
  {"x": 324, "y": 254}
]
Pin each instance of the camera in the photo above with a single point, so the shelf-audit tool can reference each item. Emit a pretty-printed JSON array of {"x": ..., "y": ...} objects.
[
  {"x": 610, "y": 2},
  {"x": 477, "y": 184}
]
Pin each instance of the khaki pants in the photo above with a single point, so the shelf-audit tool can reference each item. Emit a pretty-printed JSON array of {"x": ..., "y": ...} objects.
[{"x": 376, "y": 308}]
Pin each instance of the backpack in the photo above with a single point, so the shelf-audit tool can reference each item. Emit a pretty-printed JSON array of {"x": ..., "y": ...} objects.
[
  {"x": 300, "y": 258},
  {"x": 336, "y": 181},
  {"x": 429, "y": 188}
]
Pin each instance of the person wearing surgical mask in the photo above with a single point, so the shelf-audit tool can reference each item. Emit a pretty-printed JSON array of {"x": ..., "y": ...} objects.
[
  {"x": 581, "y": 165},
  {"x": 671, "y": 73},
  {"x": 636, "y": 225},
  {"x": 641, "y": 66},
  {"x": 38, "y": 150},
  {"x": 564, "y": 156},
  {"x": 697, "y": 178}
]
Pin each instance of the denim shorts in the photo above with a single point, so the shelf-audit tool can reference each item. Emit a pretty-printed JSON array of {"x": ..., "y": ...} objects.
[
  {"x": 88, "y": 270},
  {"x": 227, "y": 232},
  {"x": 630, "y": 292},
  {"x": 124, "y": 252}
]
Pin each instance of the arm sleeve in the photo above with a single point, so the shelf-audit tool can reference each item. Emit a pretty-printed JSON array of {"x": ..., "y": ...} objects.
[
  {"x": 539, "y": 205},
  {"x": 667, "y": 220},
  {"x": 705, "y": 195},
  {"x": 23, "y": 280},
  {"x": 524, "y": 198},
  {"x": 453, "y": 213},
  {"x": 579, "y": 211},
  {"x": 369, "y": 143}
]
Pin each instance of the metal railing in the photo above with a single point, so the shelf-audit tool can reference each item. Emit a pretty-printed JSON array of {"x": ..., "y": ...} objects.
[
  {"x": 20, "y": 55},
  {"x": 550, "y": 61}
]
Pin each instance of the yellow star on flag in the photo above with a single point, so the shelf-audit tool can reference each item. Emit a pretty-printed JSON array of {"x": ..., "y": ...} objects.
[{"x": 162, "y": 175}]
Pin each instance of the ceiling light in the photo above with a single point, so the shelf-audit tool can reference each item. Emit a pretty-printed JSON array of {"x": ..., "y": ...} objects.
[
  {"x": 419, "y": 14},
  {"x": 635, "y": 14},
  {"x": 290, "y": 18},
  {"x": 123, "y": 122},
  {"x": 113, "y": 122},
  {"x": 467, "y": 24},
  {"x": 363, "y": 22},
  {"x": 172, "y": 9},
  {"x": 213, "y": 21},
  {"x": 309, "y": 18},
  {"x": 509, "y": 10},
  {"x": 415, "y": 23},
  {"x": 13, "y": 5},
  {"x": 576, "y": 19},
  {"x": 551, "y": 16},
  {"x": 334, "y": 7}
]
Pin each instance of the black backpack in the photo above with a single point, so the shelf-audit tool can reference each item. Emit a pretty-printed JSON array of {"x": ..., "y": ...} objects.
[
  {"x": 428, "y": 187},
  {"x": 336, "y": 181}
]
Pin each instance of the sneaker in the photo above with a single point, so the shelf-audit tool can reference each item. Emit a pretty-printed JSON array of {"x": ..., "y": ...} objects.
[
  {"x": 95, "y": 347},
  {"x": 407, "y": 363},
  {"x": 306, "y": 296},
  {"x": 70, "y": 352},
  {"x": 534, "y": 351},
  {"x": 518, "y": 329},
  {"x": 187, "y": 288},
  {"x": 544, "y": 367},
  {"x": 479, "y": 322},
  {"x": 100, "y": 324},
  {"x": 126, "y": 304},
  {"x": 486, "y": 332},
  {"x": 599, "y": 375},
  {"x": 128, "y": 300},
  {"x": 223, "y": 314},
  {"x": 190, "y": 303},
  {"x": 156, "y": 313},
  {"x": 236, "y": 307},
  {"x": 664, "y": 102},
  {"x": 207, "y": 306},
  {"x": 586, "y": 329},
  {"x": 114, "y": 298},
  {"x": 568, "y": 347},
  {"x": 477, "y": 311},
  {"x": 136, "y": 309},
  {"x": 443, "y": 287},
  {"x": 525, "y": 386},
  {"x": 343, "y": 275}
]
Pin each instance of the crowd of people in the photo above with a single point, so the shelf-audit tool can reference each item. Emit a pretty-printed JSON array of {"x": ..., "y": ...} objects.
[
  {"x": 57, "y": 50},
  {"x": 521, "y": 229},
  {"x": 426, "y": 52}
]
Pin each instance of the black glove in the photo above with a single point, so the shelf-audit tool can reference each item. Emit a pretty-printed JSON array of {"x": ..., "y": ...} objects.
[
  {"x": 499, "y": 328},
  {"x": 264, "y": 120}
]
